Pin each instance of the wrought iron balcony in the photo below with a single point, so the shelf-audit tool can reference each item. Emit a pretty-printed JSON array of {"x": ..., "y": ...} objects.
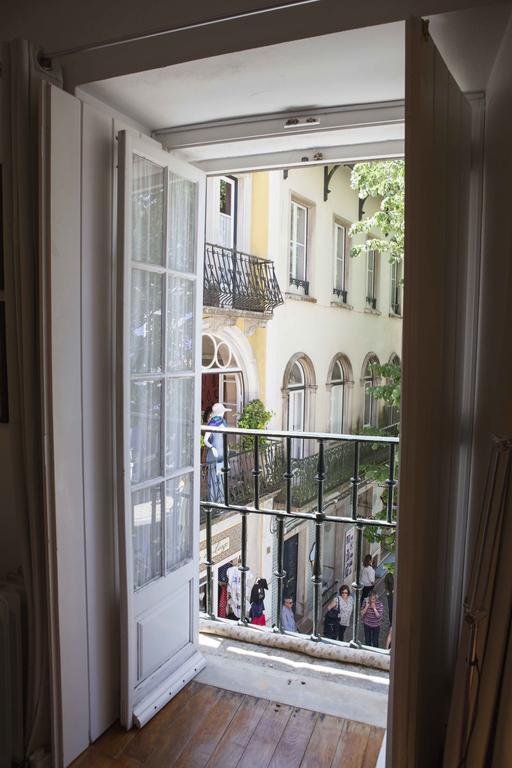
[
  {"x": 341, "y": 293},
  {"x": 304, "y": 284},
  {"x": 236, "y": 280},
  {"x": 243, "y": 483}
]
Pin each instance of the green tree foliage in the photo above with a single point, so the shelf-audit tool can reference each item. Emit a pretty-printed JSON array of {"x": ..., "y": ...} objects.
[
  {"x": 254, "y": 416},
  {"x": 389, "y": 390},
  {"x": 384, "y": 181}
]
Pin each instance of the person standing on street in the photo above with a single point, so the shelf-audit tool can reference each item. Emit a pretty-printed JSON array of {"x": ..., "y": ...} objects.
[
  {"x": 372, "y": 613},
  {"x": 367, "y": 577},
  {"x": 288, "y": 622},
  {"x": 389, "y": 586}
]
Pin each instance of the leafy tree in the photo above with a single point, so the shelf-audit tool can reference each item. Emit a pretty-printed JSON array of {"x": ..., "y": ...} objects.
[
  {"x": 385, "y": 181},
  {"x": 254, "y": 416}
]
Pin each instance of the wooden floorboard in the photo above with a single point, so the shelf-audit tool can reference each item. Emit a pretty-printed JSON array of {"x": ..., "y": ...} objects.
[
  {"x": 266, "y": 737},
  {"x": 207, "y": 727},
  {"x": 232, "y": 745},
  {"x": 351, "y": 745},
  {"x": 295, "y": 739},
  {"x": 323, "y": 742}
]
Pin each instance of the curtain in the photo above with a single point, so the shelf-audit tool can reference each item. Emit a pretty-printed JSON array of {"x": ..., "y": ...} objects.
[
  {"x": 479, "y": 732},
  {"x": 21, "y": 289}
]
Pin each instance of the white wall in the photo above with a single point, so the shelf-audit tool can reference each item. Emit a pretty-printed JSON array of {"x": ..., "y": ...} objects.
[{"x": 317, "y": 328}]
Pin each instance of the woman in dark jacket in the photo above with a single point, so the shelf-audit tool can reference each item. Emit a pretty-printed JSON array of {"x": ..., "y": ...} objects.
[{"x": 257, "y": 609}]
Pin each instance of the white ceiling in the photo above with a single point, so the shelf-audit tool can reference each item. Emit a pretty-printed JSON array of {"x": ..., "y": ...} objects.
[
  {"x": 360, "y": 66},
  {"x": 354, "y": 67}
]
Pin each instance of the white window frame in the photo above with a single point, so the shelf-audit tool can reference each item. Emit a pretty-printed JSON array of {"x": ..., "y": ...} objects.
[
  {"x": 396, "y": 298},
  {"x": 221, "y": 217},
  {"x": 372, "y": 265},
  {"x": 295, "y": 206},
  {"x": 340, "y": 264},
  {"x": 369, "y": 380},
  {"x": 336, "y": 384}
]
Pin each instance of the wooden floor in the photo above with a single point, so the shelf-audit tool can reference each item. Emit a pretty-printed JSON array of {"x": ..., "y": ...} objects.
[{"x": 206, "y": 726}]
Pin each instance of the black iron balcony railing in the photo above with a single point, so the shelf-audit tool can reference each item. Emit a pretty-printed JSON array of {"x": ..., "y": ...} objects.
[
  {"x": 341, "y": 293},
  {"x": 332, "y": 465},
  {"x": 304, "y": 284},
  {"x": 236, "y": 280},
  {"x": 372, "y": 302}
]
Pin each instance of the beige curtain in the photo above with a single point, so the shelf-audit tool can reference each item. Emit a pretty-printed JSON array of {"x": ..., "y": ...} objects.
[
  {"x": 479, "y": 732},
  {"x": 19, "y": 114}
]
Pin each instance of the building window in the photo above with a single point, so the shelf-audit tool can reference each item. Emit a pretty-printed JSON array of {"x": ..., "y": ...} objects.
[
  {"x": 393, "y": 411},
  {"x": 340, "y": 263},
  {"x": 298, "y": 394},
  {"x": 299, "y": 246},
  {"x": 396, "y": 288},
  {"x": 226, "y": 212},
  {"x": 222, "y": 379},
  {"x": 370, "y": 410},
  {"x": 337, "y": 385},
  {"x": 371, "y": 279}
]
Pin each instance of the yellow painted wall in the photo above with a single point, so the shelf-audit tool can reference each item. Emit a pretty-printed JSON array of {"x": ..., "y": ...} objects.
[{"x": 259, "y": 247}]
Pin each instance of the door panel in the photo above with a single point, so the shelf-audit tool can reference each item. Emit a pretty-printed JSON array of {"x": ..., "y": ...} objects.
[
  {"x": 433, "y": 425},
  {"x": 161, "y": 220}
]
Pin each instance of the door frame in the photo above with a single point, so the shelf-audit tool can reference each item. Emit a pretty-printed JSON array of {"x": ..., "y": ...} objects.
[{"x": 160, "y": 685}]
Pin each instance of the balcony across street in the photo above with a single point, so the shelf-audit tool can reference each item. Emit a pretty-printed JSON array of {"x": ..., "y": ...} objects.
[{"x": 239, "y": 281}]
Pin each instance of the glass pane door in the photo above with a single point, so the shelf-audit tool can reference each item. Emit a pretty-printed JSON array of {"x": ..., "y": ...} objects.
[{"x": 161, "y": 217}]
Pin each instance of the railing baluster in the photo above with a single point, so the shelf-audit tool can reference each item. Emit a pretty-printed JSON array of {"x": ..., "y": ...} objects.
[
  {"x": 355, "y": 480},
  {"x": 280, "y": 573},
  {"x": 256, "y": 472},
  {"x": 243, "y": 568},
  {"x": 358, "y": 588},
  {"x": 317, "y": 564},
  {"x": 391, "y": 482},
  {"x": 209, "y": 564},
  {"x": 225, "y": 467}
]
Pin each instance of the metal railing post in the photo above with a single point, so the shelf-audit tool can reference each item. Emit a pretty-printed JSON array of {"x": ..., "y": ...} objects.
[
  {"x": 391, "y": 482},
  {"x": 355, "y": 480},
  {"x": 280, "y": 573},
  {"x": 209, "y": 564},
  {"x": 358, "y": 588},
  {"x": 317, "y": 563}
]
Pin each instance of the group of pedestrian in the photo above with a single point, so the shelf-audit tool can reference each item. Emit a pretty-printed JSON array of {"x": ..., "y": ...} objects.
[{"x": 338, "y": 613}]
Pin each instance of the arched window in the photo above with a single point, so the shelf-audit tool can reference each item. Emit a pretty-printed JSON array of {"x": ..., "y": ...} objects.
[
  {"x": 222, "y": 379},
  {"x": 337, "y": 385},
  {"x": 370, "y": 409},
  {"x": 298, "y": 386},
  {"x": 296, "y": 397},
  {"x": 393, "y": 411}
]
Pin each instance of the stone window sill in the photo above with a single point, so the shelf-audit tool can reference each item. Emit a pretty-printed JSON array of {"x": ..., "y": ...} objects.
[
  {"x": 341, "y": 305},
  {"x": 369, "y": 311},
  {"x": 397, "y": 316},
  {"x": 300, "y": 297}
]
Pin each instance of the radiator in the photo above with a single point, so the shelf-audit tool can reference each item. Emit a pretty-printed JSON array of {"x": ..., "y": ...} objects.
[{"x": 12, "y": 654}]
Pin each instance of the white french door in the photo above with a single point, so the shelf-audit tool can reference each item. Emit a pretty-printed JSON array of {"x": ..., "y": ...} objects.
[{"x": 161, "y": 242}]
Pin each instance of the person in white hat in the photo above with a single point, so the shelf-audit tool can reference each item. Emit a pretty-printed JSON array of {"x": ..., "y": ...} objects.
[{"x": 215, "y": 454}]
